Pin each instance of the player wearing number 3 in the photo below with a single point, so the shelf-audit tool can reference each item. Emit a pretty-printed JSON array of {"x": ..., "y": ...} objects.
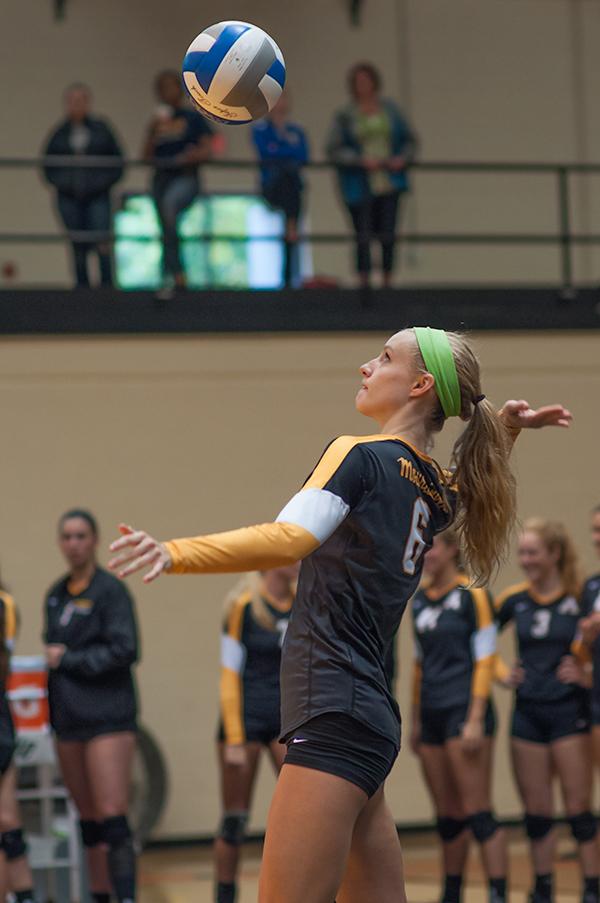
[
  {"x": 551, "y": 722},
  {"x": 361, "y": 524}
]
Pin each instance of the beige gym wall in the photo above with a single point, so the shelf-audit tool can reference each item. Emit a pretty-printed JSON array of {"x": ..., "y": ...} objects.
[
  {"x": 484, "y": 80},
  {"x": 188, "y": 434}
]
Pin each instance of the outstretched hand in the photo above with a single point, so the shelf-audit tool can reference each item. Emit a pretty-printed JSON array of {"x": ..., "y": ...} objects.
[
  {"x": 519, "y": 415},
  {"x": 138, "y": 550}
]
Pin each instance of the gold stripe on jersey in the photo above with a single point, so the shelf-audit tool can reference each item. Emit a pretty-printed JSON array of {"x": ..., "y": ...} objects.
[
  {"x": 340, "y": 448},
  {"x": 255, "y": 548},
  {"x": 231, "y": 685},
  {"x": 501, "y": 670},
  {"x": 10, "y": 617},
  {"x": 510, "y": 591},
  {"x": 483, "y": 668}
]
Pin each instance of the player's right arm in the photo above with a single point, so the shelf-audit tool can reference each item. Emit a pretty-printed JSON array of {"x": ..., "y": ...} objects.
[{"x": 336, "y": 485}]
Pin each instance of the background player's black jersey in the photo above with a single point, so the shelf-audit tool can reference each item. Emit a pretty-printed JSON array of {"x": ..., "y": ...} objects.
[
  {"x": 455, "y": 639},
  {"x": 590, "y": 603},
  {"x": 546, "y": 632},
  {"x": 375, "y": 503},
  {"x": 93, "y": 685},
  {"x": 8, "y": 613},
  {"x": 250, "y": 665}
]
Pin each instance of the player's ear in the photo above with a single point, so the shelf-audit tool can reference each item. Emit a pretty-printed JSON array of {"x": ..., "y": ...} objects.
[{"x": 422, "y": 384}]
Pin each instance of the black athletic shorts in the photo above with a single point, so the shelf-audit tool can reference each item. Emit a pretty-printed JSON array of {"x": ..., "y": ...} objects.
[
  {"x": 341, "y": 745},
  {"x": 544, "y": 722},
  {"x": 263, "y": 731},
  {"x": 7, "y": 751},
  {"x": 595, "y": 709},
  {"x": 86, "y": 732},
  {"x": 439, "y": 725}
]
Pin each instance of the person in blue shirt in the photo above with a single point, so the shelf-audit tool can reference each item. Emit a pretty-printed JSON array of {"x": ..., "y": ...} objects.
[
  {"x": 282, "y": 147},
  {"x": 180, "y": 139},
  {"x": 371, "y": 144}
]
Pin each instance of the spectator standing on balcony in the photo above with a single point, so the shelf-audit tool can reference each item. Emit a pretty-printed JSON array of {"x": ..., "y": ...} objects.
[
  {"x": 372, "y": 144},
  {"x": 83, "y": 193},
  {"x": 282, "y": 147},
  {"x": 179, "y": 139}
]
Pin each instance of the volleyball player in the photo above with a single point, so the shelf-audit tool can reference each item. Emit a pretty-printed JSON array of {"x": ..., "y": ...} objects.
[
  {"x": 453, "y": 718},
  {"x": 12, "y": 842},
  {"x": 91, "y": 644},
  {"x": 550, "y": 725},
  {"x": 361, "y": 522},
  {"x": 590, "y": 629},
  {"x": 256, "y": 620}
]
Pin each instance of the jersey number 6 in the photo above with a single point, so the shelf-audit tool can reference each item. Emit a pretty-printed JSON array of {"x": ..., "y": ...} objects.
[{"x": 415, "y": 544}]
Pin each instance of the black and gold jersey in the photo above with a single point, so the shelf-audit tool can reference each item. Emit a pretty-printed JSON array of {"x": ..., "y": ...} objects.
[
  {"x": 376, "y": 504},
  {"x": 250, "y": 665},
  {"x": 590, "y": 603},
  {"x": 546, "y": 631},
  {"x": 8, "y": 614},
  {"x": 455, "y": 645},
  {"x": 360, "y": 525}
]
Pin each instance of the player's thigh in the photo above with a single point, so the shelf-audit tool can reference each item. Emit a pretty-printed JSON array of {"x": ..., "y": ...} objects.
[
  {"x": 472, "y": 773},
  {"x": 572, "y": 759},
  {"x": 237, "y": 781},
  {"x": 532, "y": 765},
  {"x": 374, "y": 870},
  {"x": 71, "y": 758},
  {"x": 309, "y": 834},
  {"x": 109, "y": 759},
  {"x": 596, "y": 744},
  {"x": 437, "y": 771},
  {"x": 277, "y": 752}
]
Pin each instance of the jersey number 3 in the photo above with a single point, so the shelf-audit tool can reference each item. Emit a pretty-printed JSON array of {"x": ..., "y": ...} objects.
[
  {"x": 540, "y": 625},
  {"x": 415, "y": 544}
]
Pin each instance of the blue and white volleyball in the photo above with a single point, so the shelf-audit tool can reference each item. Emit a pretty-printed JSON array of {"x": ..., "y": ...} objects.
[{"x": 234, "y": 72}]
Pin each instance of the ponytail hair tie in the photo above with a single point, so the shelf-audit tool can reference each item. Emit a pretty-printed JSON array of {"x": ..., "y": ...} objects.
[{"x": 477, "y": 399}]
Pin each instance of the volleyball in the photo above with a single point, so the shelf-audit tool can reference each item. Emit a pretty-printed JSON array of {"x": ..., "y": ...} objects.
[{"x": 234, "y": 72}]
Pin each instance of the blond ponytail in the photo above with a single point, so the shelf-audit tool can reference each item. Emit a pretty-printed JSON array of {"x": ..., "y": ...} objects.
[{"x": 486, "y": 509}]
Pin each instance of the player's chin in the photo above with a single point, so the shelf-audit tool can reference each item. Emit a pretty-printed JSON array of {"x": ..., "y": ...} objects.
[{"x": 363, "y": 403}]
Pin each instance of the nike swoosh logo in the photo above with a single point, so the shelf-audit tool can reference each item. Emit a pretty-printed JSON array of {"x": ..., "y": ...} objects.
[{"x": 298, "y": 740}]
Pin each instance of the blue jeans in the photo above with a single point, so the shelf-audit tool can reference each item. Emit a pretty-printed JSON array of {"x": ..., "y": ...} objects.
[
  {"x": 172, "y": 197},
  {"x": 88, "y": 215}
]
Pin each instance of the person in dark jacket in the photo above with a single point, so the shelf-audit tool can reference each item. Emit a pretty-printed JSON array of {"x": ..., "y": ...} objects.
[
  {"x": 91, "y": 645},
  {"x": 372, "y": 144},
  {"x": 282, "y": 147},
  {"x": 179, "y": 139},
  {"x": 83, "y": 193}
]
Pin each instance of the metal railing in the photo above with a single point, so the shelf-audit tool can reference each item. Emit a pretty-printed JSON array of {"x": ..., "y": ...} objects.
[{"x": 563, "y": 237}]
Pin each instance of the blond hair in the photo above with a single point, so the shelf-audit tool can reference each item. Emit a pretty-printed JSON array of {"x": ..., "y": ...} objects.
[
  {"x": 555, "y": 537},
  {"x": 479, "y": 465},
  {"x": 250, "y": 585}
]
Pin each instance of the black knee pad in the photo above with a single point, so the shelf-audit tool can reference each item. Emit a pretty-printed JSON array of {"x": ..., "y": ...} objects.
[
  {"x": 115, "y": 830},
  {"x": 13, "y": 844},
  {"x": 91, "y": 832},
  {"x": 449, "y": 828},
  {"x": 483, "y": 825},
  {"x": 233, "y": 828},
  {"x": 583, "y": 826},
  {"x": 538, "y": 826}
]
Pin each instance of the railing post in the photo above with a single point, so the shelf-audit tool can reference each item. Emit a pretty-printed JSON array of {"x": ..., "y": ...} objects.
[{"x": 564, "y": 213}]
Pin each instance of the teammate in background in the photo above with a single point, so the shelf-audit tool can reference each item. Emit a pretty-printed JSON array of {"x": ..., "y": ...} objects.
[
  {"x": 550, "y": 725},
  {"x": 453, "y": 718},
  {"x": 590, "y": 630},
  {"x": 361, "y": 522},
  {"x": 256, "y": 620},
  {"x": 16, "y": 875},
  {"x": 91, "y": 644}
]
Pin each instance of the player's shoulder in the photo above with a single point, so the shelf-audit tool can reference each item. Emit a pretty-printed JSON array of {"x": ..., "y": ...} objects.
[
  {"x": 57, "y": 587},
  {"x": 513, "y": 593},
  {"x": 7, "y": 599},
  {"x": 592, "y": 584}
]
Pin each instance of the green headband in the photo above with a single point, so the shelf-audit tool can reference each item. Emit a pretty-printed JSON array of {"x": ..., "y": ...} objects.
[{"x": 439, "y": 360}]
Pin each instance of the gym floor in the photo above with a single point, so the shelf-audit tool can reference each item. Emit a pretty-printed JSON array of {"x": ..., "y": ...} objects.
[{"x": 184, "y": 874}]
